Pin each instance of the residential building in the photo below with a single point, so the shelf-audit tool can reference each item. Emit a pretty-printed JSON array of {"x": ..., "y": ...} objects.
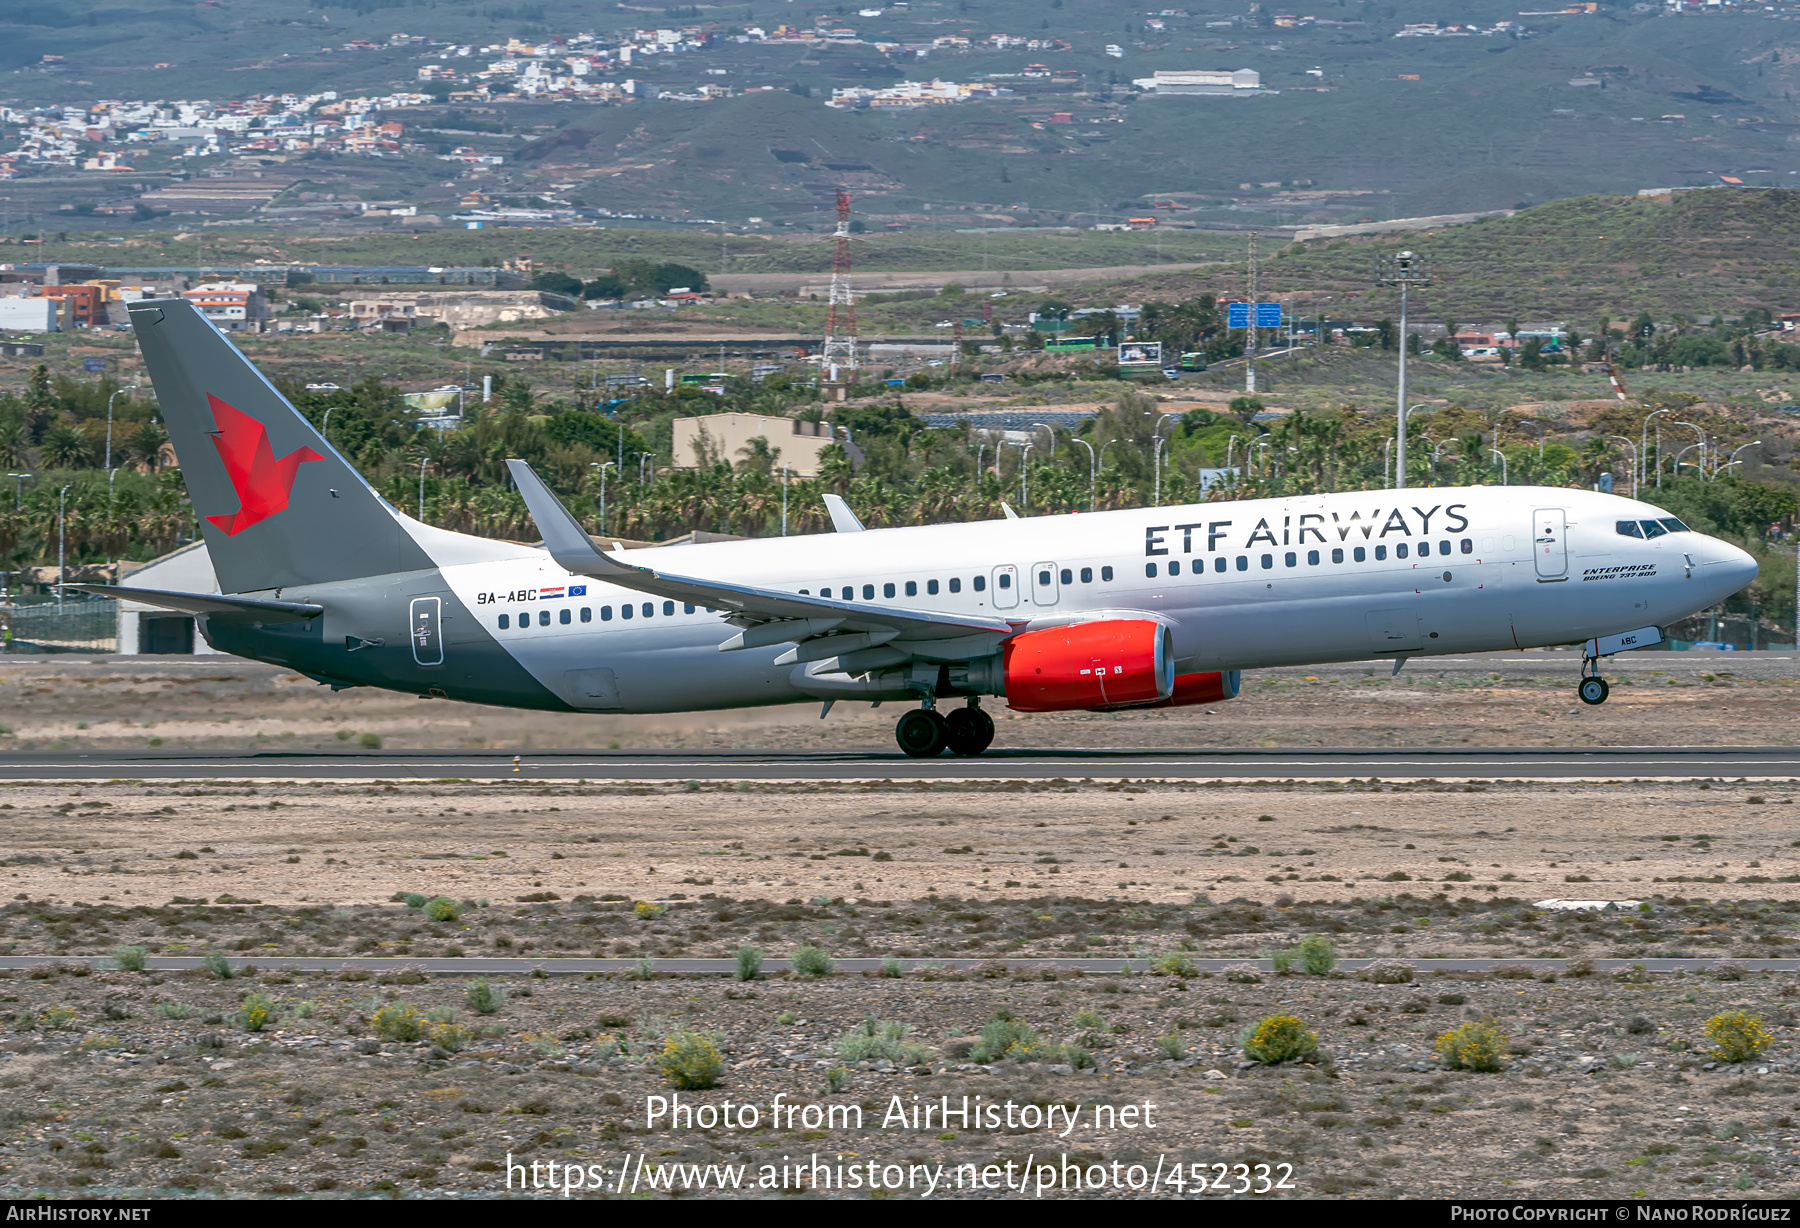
[
  {"x": 725, "y": 437},
  {"x": 231, "y": 305}
]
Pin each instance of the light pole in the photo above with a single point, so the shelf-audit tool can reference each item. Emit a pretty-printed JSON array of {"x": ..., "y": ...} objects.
[
  {"x": 1103, "y": 447},
  {"x": 1502, "y": 457},
  {"x": 1701, "y": 466},
  {"x": 1157, "y": 453},
  {"x": 602, "y": 466},
  {"x": 109, "y": 412},
  {"x": 784, "y": 493},
  {"x": 62, "y": 572},
  {"x": 1024, "y": 463},
  {"x": 1404, "y": 269},
  {"x": 1644, "y": 448},
  {"x": 423, "y": 461},
  {"x": 325, "y": 426},
  {"x": 1093, "y": 471},
  {"x": 1734, "y": 459},
  {"x": 1387, "y": 461},
  {"x": 642, "y": 456},
  {"x": 980, "y": 456},
  {"x": 19, "y": 488},
  {"x": 1701, "y": 445},
  {"x": 1230, "y": 444},
  {"x": 1634, "y": 462},
  {"x": 1051, "y": 431}
]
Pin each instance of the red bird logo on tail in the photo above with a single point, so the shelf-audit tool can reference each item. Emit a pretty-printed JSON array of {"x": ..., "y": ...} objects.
[{"x": 262, "y": 482}]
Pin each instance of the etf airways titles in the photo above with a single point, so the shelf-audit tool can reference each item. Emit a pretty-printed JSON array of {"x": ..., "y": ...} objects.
[
  {"x": 1309, "y": 526},
  {"x": 946, "y": 1112}
]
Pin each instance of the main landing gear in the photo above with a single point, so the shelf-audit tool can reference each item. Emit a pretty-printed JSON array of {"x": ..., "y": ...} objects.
[
  {"x": 924, "y": 734},
  {"x": 1592, "y": 689}
]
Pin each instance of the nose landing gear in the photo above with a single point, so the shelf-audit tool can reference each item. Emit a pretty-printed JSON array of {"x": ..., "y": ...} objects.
[
  {"x": 924, "y": 734},
  {"x": 1592, "y": 689}
]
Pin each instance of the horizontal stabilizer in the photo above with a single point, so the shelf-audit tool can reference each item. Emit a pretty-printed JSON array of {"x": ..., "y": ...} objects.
[{"x": 209, "y": 603}]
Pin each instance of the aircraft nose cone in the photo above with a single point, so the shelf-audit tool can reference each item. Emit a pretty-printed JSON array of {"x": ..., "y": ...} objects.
[{"x": 1726, "y": 568}]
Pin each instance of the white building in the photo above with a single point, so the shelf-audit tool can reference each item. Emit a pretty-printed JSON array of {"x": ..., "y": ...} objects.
[
  {"x": 1203, "y": 81},
  {"x": 31, "y": 315}
]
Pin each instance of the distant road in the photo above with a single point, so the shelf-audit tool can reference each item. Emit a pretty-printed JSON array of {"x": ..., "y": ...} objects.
[
  {"x": 1305, "y": 763},
  {"x": 1035, "y": 280}
]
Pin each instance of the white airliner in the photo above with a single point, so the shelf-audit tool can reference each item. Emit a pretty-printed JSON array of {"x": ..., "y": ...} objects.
[{"x": 1153, "y": 607}]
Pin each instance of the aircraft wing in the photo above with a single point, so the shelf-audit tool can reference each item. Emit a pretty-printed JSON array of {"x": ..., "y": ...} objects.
[
  {"x": 860, "y": 636},
  {"x": 209, "y": 603}
]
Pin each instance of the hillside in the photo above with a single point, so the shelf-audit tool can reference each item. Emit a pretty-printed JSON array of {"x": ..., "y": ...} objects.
[{"x": 1696, "y": 254}]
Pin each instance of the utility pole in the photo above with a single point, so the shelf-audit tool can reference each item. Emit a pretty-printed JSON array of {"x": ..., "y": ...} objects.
[
  {"x": 1403, "y": 269},
  {"x": 1250, "y": 325},
  {"x": 839, "y": 350}
]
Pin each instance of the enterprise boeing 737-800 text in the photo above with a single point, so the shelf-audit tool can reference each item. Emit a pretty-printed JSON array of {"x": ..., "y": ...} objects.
[{"x": 1154, "y": 607}]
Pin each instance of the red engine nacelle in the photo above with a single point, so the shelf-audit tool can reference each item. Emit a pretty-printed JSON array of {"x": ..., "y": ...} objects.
[
  {"x": 1201, "y": 689},
  {"x": 1106, "y": 664}
]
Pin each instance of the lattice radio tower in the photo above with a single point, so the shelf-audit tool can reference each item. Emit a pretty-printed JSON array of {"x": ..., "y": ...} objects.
[{"x": 839, "y": 353}]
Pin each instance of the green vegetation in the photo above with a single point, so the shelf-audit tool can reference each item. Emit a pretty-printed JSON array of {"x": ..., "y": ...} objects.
[
  {"x": 484, "y": 998},
  {"x": 1473, "y": 1046},
  {"x": 130, "y": 959},
  {"x": 881, "y": 1040},
  {"x": 690, "y": 1060},
  {"x": 217, "y": 964},
  {"x": 749, "y": 963},
  {"x": 1005, "y": 1036},
  {"x": 1278, "y": 1038},
  {"x": 1738, "y": 1036},
  {"x": 397, "y": 1022},
  {"x": 811, "y": 960},
  {"x": 253, "y": 1013}
]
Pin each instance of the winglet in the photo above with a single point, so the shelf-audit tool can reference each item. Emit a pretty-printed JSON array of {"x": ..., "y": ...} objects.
[
  {"x": 1007, "y": 508},
  {"x": 565, "y": 539},
  {"x": 842, "y": 518}
]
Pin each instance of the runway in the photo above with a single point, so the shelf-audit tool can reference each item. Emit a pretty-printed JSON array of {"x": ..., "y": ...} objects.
[{"x": 1273, "y": 763}]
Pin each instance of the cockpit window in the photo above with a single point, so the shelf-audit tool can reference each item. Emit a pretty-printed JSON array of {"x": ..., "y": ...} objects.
[
  {"x": 1673, "y": 525},
  {"x": 1629, "y": 528},
  {"x": 1654, "y": 528}
]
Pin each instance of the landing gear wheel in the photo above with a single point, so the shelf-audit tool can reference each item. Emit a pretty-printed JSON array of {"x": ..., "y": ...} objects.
[
  {"x": 922, "y": 733},
  {"x": 970, "y": 731},
  {"x": 1593, "y": 690}
]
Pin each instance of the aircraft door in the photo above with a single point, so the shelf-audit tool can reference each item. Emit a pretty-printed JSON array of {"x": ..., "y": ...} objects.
[
  {"x": 1550, "y": 547},
  {"x": 1006, "y": 586},
  {"x": 1043, "y": 584},
  {"x": 426, "y": 630}
]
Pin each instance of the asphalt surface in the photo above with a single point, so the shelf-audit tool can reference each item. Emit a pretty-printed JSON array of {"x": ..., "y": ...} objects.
[
  {"x": 1275, "y": 763},
  {"x": 490, "y": 966}
]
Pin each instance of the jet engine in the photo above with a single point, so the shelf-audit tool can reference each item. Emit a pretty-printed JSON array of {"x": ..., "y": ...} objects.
[{"x": 1111, "y": 663}]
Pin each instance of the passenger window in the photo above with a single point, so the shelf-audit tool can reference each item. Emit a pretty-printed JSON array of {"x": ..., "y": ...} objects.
[
  {"x": 869, "y": 592},
  {"x": 1337, "y": 555},
  {"x": 1106, "y": 574},
  {"x": 543, "y": 618},
  {"x": 956, "y": 584},
  {"x": 807, "y": 592},
  {"x": 1468, "y": 545},
  {"x": 912, "y": 588},
  {"x": 1291, "y": 559},
  {"x": 1087, "y": 575},
  {"x": 1175, "y": 567},
  {"x": 1243, "y": 562},
  {"x": 980, "y": 584},
  {"x": 587, "y": 614},
  {"x": 931, "y": 588},
  {"x": 1044, "y": 579},
  {"x": 1218, "y": 564},
  {"x": 687, "y": 607},
  {"x": 1443, "y": 547},
  {"x": 669, "y": 608},
  {"x": 505, "y": 622},
  {"x": 649, "y": 608},
  {"x": 1068, "y": 577},
  {"x": 625, "y": 610},
  {"x": 1674, "y": 526},
  {"x": 1312, "y": 558},
  {"x": 1380, "y": 553},
  {"x": 887, "y": 590},
  {"x": 1400, "y": 551},
  {"x": 1268, "y": 561},
  {"x": 605, "y": 613},
  {"x": 1359, "y": 554},
  {"x": 1654, "y": 528},
  {"x": 564, "y": 617},
  {"x": 1005, "y": 580},
  {"x": 1149, "y": 569}
]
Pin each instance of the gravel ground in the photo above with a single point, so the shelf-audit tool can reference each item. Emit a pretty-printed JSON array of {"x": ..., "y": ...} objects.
[
  {"x": 1500, "y": 699},
  {"x": 1606, "y": 1091}
]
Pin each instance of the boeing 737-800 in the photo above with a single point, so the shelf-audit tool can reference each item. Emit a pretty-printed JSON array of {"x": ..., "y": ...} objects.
[{"x": 1151, "y": 607}]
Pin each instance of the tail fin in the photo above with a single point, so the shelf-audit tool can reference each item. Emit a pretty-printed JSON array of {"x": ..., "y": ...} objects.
[{"x": 277, "y": 505}]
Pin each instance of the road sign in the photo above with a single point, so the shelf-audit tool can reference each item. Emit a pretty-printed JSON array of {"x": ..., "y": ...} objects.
[
  {"x": 1268, "y": 315},
  {"x": 93, "y": 364}
]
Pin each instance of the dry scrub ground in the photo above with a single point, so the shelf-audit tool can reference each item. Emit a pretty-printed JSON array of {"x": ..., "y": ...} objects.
[
  {"x": 1512, "y": 699},
  {"x": 1606, "y": 1092}
]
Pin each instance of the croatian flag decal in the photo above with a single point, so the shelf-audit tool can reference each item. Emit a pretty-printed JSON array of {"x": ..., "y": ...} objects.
[{"x": 545, "y": 594}]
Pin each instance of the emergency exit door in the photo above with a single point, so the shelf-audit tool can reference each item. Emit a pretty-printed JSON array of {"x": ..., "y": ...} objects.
[{"x": 1549, "y": 545}]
